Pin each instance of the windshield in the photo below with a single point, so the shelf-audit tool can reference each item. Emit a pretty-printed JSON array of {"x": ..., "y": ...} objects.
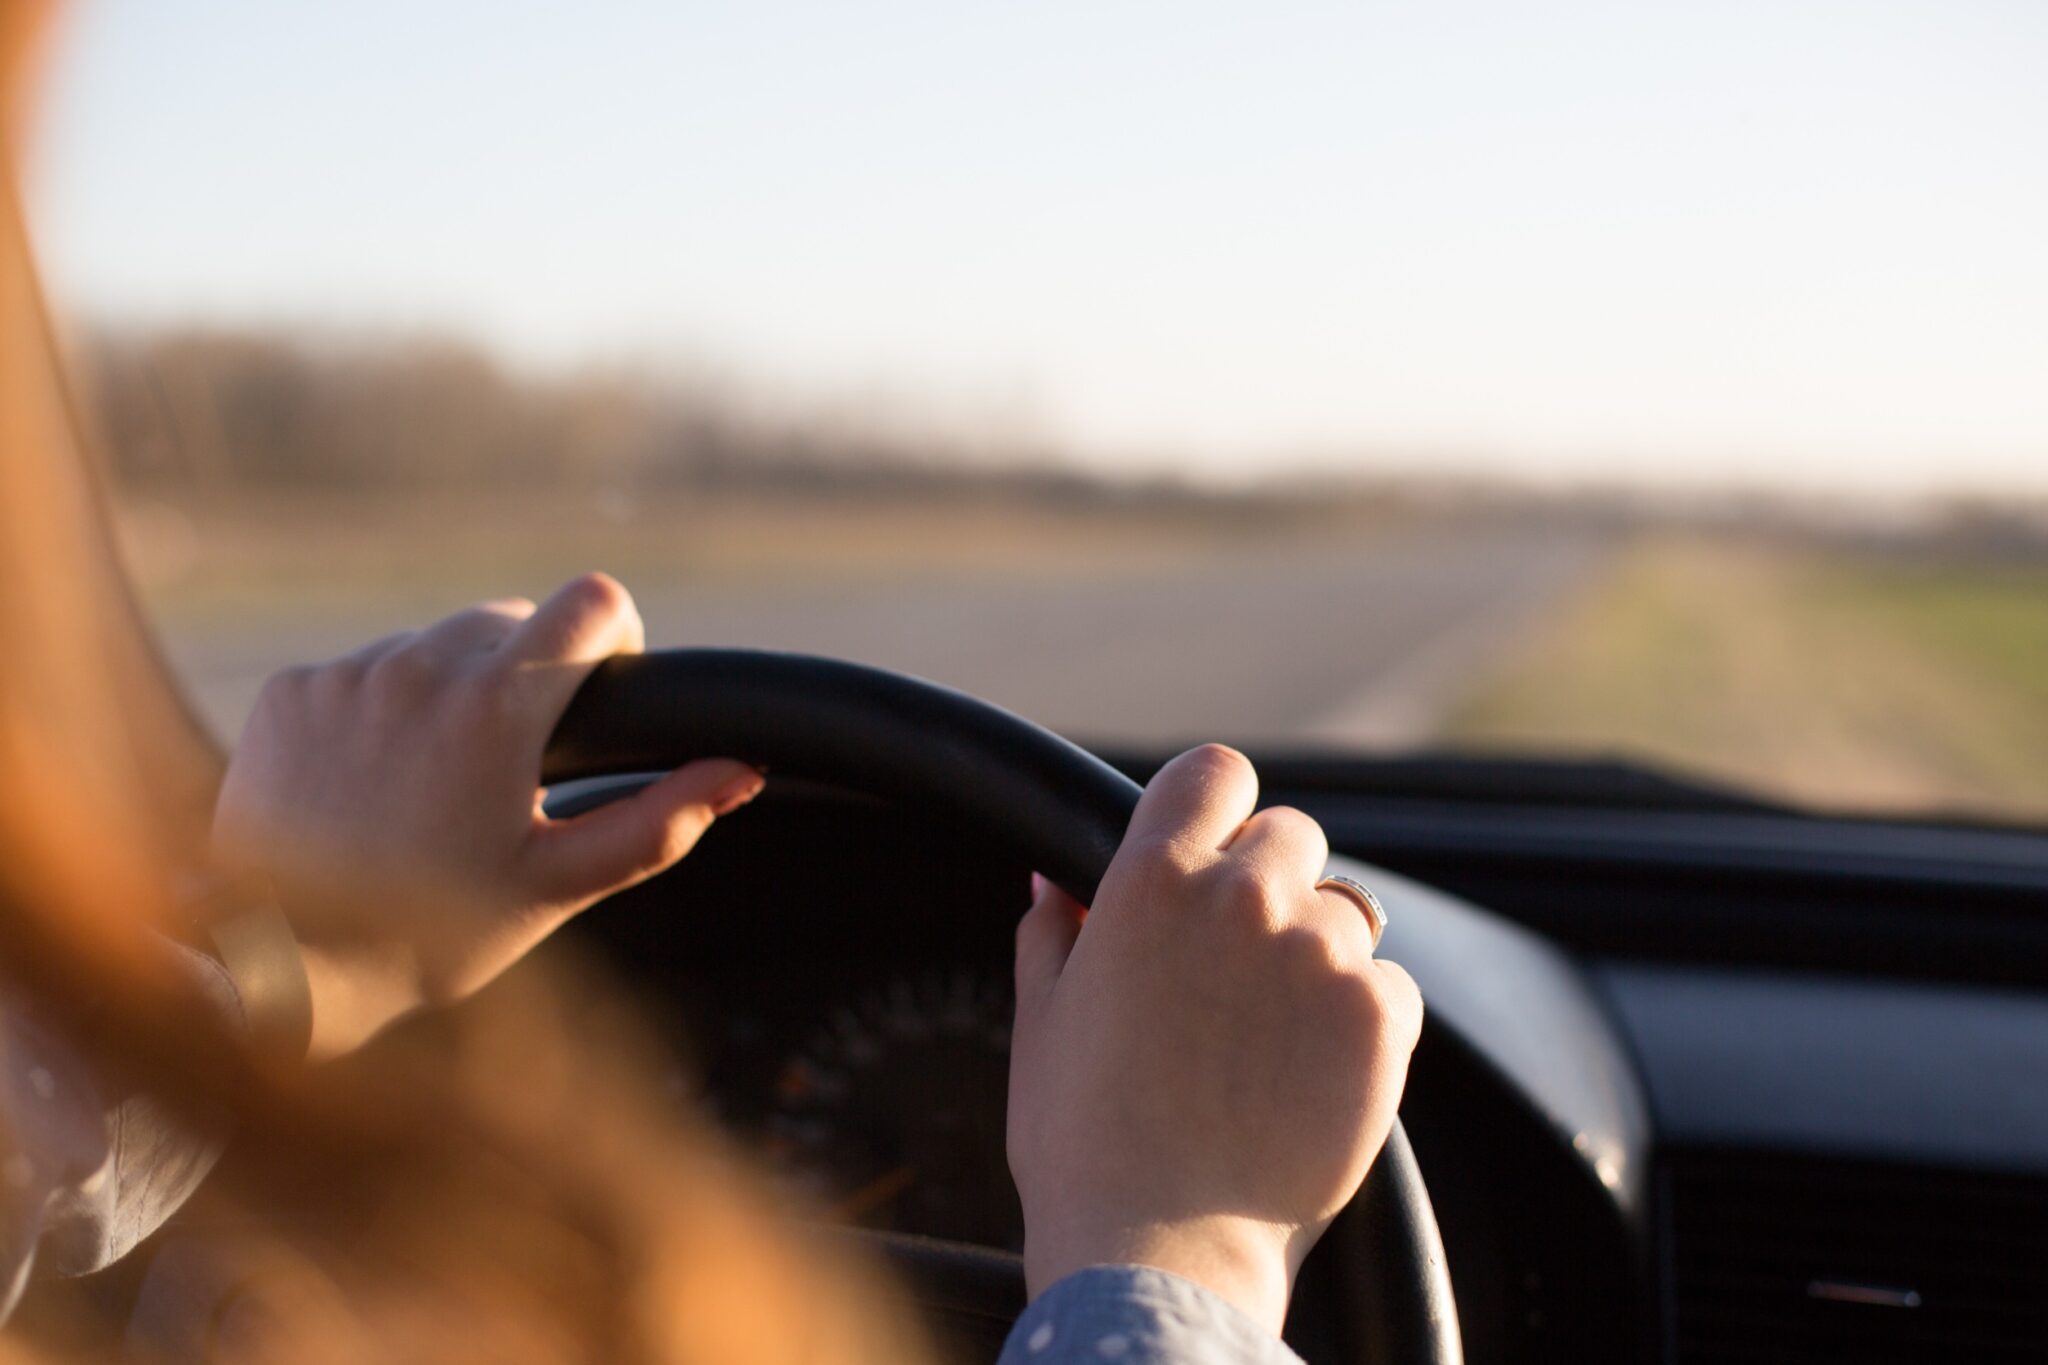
[{"x": 1656, "y": 382}]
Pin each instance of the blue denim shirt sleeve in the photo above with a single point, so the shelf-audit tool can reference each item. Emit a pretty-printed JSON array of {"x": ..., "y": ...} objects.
[{"x": 1139, "y": 1316}]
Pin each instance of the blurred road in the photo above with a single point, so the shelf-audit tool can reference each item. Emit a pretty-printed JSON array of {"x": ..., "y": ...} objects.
[{"x": 1362, "y": 646}]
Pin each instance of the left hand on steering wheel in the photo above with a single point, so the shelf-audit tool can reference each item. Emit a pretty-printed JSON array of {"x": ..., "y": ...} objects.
[{"x": 392, "y": 796}]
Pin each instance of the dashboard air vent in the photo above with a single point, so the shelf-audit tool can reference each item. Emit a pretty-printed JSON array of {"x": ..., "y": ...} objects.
[{"x": 1797, "y": 1261}]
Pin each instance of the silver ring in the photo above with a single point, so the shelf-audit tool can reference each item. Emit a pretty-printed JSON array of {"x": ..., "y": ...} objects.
[{"x": 1375, "y": 913}]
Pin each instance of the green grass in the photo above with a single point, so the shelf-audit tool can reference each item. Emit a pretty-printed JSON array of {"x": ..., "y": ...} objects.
[
  {"x": 1840, "y": 680},
  {"x": 1994, "y": 622}
]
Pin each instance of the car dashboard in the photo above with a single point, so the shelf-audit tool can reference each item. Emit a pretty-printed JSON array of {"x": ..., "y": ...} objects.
[{"x": 1643, "y": 1144}]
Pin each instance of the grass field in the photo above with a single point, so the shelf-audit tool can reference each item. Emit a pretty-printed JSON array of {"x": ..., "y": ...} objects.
[{"x": 1841, "y": 679}]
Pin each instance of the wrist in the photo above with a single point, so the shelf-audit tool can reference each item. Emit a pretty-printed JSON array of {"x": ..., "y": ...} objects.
[
  {"x": 358, "y": 990},
  {"x": 1243, "y": 1261}
]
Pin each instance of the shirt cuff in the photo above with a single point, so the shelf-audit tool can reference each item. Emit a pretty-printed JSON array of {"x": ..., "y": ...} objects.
[{"x": 1139, "y": 1316}]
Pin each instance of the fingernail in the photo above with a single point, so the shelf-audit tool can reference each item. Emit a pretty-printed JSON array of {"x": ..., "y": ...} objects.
[
  {"x": 737, "y": 793},
  {"x": 1038, "y": 885}
]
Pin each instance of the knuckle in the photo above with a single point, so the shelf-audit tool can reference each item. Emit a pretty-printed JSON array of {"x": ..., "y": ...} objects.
[
  {"x": 286, "y": 688},
  {"x": 1294, "y": 821},
  {"x": 1323, "y": 964},
  {"x": 585, "y": 611},
  {"x": 1159, "y": 860},
  {"x": 1359, "y": 1002},
  {"x": 334, "y": 685},
  {"x": 481, "y": 699},
  {"x": 1400, "y": 999},
  {"x": 1296, "y": 832},
  {"x": 405, "y": 672},
  {"x": 1385, "y": 1007},
  {"x": 470, "y": 618},
  {"x": 1243, "y": 879},
  {"x": 1312, "y": 968},
  {"x": 1247, "y": 893},
  {"x": 306, "y": 690},
  {"x": 600, "y": 595}
]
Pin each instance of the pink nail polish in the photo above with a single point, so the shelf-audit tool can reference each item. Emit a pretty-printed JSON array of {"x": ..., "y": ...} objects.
[{"x": 1038, "y": 885}]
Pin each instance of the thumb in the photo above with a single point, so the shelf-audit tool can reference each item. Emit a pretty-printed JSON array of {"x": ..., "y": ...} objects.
[
  {"x": 590, "y": 856},
  {"x": 1045, "y": 936}
]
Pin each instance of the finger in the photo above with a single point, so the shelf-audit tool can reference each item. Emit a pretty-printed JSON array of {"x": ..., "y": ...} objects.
[
  {"x": 1045, "y": 938},
  {"x": 477, "y": 630},
  {"x": 579, "y": 860},
  {"x": 1285, "y": 843},
  {"x": 1403, "y": 1001},
  {"x": 1349, "y": 918},
  {"x": 585, "y": 620},
  {"x": 1198, "y": 800},
  {"x": 1343, "y": 926}
]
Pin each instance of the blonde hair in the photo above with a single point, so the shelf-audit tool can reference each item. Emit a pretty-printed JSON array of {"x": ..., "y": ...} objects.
[{"x": 504, "y": 1184}]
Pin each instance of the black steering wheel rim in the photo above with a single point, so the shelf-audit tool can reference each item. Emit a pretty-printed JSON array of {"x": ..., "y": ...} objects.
[{"x": 989, "y": 773}]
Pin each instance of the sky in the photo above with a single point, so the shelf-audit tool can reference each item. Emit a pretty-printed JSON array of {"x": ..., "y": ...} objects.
[{"x": 1792, "y": 243}]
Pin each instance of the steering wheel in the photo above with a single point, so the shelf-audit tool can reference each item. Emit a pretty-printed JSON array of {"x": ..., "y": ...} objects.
[{"x": 969, "y": 767}]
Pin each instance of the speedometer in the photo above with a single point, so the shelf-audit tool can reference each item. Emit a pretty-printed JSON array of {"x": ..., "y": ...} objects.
[{"x": 892, "y": 1112}]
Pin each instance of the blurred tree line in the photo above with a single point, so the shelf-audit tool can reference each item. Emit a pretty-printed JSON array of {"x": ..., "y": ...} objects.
[{"x": 195, "y": 411}]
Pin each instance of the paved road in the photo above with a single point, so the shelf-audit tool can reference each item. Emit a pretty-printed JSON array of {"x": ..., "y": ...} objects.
[{"x": 1360, "y": 646}]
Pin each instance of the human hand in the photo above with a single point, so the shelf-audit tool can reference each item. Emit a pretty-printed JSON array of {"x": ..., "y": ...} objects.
[
  {"x": 1203, "y": 1071},
  {"x": 393, "y": 797}
]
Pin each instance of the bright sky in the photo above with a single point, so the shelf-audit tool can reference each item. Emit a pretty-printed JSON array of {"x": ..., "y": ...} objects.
[{"x": 1783, "y": 241}]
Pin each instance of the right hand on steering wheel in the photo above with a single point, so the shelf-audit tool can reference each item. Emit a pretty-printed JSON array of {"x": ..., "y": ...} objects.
[{"x": 1205, "y": 1063}]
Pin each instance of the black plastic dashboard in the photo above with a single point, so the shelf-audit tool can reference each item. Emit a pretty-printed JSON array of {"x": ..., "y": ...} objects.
[{"x": 1597, "y": 1095}]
